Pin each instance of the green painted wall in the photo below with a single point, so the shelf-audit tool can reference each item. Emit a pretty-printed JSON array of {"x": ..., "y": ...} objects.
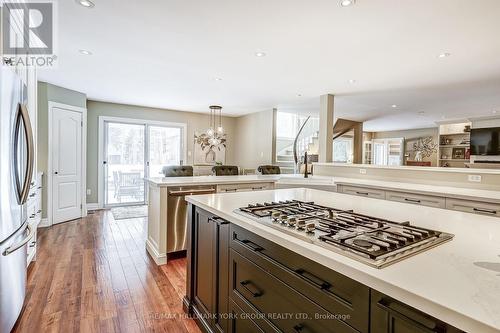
[
  {"x": 50, "y": 93},
  {"x": 194, "y": 121}
]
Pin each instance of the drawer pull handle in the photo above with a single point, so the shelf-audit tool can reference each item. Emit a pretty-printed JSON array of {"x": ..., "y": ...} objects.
[
  {"x": 231, "y": 189},
  {"x": 362, "y": 193},
  {"x": 486, "y": 211},
  {"x": 252, "y": 245},
  {"x": 245, "y": 285},
  {"x": 313, "y": 279},
  {"x": 32, "y": 216},
  {"x": 257, "y": 188},
  {"x": 423, "y": 323},
  {"x": 413, "y": 200}
]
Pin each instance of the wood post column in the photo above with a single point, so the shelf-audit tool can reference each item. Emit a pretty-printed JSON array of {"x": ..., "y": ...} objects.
[{"x": 326, "y": 110}]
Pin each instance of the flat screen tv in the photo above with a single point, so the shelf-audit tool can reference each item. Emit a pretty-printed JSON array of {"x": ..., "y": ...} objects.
[{"x": 485, "y": 141}]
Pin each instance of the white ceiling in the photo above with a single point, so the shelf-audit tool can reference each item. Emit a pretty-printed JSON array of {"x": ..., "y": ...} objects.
[{"x": 167, "y": 54}]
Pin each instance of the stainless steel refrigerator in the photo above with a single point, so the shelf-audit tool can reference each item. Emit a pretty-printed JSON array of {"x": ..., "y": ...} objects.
[{"x": 16, "y": 169}]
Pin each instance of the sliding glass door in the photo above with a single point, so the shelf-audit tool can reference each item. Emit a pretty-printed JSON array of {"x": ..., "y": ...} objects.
[
  {"x": 124, "y": 164},
  {"x": 133, "y": 152},
  {"x": 165, "y": 144}
]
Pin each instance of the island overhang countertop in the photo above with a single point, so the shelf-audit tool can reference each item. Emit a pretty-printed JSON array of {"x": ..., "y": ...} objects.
[
  {"x": 457, "y": 282},
  {"x": 212, "y": 180}
]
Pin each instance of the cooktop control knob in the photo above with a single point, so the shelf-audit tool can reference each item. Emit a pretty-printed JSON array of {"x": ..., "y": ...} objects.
[
  {"x": 301, "y": 224},
  {"x": 275, "y": 215},
  {"x": 283, "y": 218},
  {"x": 310, "y": 227},
  {"x": 292, "y": 221}
]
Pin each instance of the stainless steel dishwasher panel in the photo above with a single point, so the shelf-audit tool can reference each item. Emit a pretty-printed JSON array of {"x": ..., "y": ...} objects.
[{"x": 177, "y": 214}]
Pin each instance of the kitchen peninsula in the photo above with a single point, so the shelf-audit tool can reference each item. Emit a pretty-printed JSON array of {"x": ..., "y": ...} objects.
[
  {"x": 260, "y": 267},
  {"x": 167, "y": 208}
]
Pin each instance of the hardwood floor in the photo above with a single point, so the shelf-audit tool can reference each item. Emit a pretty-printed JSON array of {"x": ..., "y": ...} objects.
[{"x": 94, "y": 275}]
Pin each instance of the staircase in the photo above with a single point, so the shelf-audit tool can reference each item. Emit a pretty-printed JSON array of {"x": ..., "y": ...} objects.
[{"x": 284, "y": 157}]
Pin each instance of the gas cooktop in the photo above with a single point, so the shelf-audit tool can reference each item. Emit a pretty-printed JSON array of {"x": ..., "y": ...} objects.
[{"x": 371, "y": 240}]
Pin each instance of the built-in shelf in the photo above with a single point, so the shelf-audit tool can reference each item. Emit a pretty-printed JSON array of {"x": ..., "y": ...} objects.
[
  {"x": 454, "y": 159},
  {"x": 454, "y": 146},
  {"x": 462, "y": 133}
]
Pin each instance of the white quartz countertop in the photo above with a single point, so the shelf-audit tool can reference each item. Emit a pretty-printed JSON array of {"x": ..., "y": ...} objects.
[
  {"x": 411, "y": 168},
  {"x": 211, "y": 180},
  {"x": 457, "y": 282},
  {"x": 445, "y": 191}
]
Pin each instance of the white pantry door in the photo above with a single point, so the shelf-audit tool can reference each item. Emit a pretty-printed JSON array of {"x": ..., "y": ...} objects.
[{"x": 66, "y": 165}]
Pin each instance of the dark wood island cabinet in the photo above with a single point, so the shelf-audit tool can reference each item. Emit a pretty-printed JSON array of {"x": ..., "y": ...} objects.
[{"x": 239, "y": 282}]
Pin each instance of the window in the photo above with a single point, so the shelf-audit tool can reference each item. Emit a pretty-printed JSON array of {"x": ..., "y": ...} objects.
[{"x": 342, "y": 150}]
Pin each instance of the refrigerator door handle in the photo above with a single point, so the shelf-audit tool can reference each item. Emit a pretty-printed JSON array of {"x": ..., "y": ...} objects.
[
  {"x": 23, "y": 115},
  {"x": 25, "y": 241}
]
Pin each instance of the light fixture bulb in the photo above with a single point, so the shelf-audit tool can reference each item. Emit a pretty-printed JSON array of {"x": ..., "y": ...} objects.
[
  {"x": 210, "y": 132},
  {"x": 86, "y": 3},
  {"x": 220, "y": 130},
  {"x": 347, "y": 3},
  {"x": 260, "y": 54},
  {"x": 394, "y": 106}
]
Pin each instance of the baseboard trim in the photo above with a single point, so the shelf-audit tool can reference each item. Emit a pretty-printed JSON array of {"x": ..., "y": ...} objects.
[
  {"x": 159, "y": 259},
  {"x": 93, "y": 206},
  {"x": 44, "y": 223}
]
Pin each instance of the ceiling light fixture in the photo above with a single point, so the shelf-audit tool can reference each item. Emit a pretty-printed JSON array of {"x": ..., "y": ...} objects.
[
  {"x": 352, "y": 81},
  {"x": 218, "y": 79},
  {"x": 86, "y": 3},
  {"x": 347, "y": 3},
  {"x": 444, "y": 55},
  {"x": 260, "y": 54},
  {"x": 85, "y": 52},
  {"x": 394, "y": 106},
  {"x": 215, "y": 136}
]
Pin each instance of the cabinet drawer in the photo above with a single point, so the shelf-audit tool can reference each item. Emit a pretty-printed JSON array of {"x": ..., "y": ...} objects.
[
  {"x": 244, "y": 187},
  {"x": 391, "y": 316},
  {"x": 475, "y": 207},
  {"x": 283, "y": 306},
  {"x": 363, "y": 191},
  {"x": 333, "y": 291},
  {"x": 241, "y": 322},
  {"x": 416, "y": 199}
]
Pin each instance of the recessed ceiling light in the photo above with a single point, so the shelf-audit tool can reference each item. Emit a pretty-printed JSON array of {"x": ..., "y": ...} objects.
[
  {"x": 86, "y": 3},
  {"x": 260, "y": 54},
  {"x": 299, "y": 95},
  {"x": 444, "y": 55},
  {"x": 85, "y": 52},
  {"x": 347, "y": 3},
  {"x": 352, "y": 81},
  {"x": 394, "y": 106},
  {"x": 218, "y": 79}
]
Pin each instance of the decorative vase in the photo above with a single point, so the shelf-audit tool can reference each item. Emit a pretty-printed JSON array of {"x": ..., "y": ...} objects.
[
  {"x": 418, "y": 156},
  {"x": 210, "y": 156}
]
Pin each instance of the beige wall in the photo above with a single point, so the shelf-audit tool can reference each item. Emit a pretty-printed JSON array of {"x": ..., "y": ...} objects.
[
  {"x": 410, "y": 137},
  {"x": 50, "y": 93},
  {"x": 254, "y": 139},
  {"x": 194, "y": 121}
]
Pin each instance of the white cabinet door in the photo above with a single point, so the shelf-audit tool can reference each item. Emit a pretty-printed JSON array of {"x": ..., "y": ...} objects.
[{"x": 67, "y": 165}]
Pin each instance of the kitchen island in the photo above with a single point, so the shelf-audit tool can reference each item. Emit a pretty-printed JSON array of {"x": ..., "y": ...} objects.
[
  {"x": 167, "y": 208},
  {"x": 452, "y": 287}
]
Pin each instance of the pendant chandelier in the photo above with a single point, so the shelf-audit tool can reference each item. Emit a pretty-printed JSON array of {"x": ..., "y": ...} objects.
[{"x": 215, "y": 129}]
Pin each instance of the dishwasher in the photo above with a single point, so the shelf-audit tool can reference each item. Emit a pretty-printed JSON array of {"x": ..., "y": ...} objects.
[{"x": 177, "y": 214}]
